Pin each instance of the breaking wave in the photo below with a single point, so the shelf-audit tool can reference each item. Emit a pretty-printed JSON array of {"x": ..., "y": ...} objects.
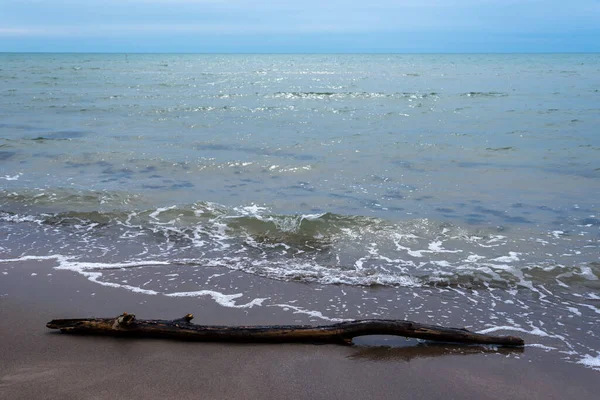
[{"x": 327, "y": 248}]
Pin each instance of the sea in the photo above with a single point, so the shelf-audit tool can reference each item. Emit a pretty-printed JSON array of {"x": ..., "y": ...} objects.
[{"x": 445, "y": 189}]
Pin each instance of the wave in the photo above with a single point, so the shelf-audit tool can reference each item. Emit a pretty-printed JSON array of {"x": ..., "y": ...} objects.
[{"x": 326, "y": 247}]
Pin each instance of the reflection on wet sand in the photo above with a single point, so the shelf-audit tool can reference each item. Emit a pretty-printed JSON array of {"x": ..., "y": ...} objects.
[{"x": 414, "y": 349}]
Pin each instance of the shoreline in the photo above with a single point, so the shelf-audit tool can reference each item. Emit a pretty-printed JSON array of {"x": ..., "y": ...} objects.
[{"x": 39, "y": 363}]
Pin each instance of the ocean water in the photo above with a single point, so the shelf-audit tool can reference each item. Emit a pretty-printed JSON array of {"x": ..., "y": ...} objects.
[{"x": 439, "y": 188}]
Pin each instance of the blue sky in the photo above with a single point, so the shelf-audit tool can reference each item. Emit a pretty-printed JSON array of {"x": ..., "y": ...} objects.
[{"x": 320, "y": 26}]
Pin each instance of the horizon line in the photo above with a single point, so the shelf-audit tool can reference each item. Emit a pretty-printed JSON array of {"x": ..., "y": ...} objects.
[{"x": 302, "y": 53}]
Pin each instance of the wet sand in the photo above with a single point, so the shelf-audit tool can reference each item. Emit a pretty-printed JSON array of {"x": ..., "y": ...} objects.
[{"x": 37, "y": 363}]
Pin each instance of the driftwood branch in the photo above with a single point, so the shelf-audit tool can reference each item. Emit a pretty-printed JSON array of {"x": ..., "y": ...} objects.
[{"x": 342, "y": 333}]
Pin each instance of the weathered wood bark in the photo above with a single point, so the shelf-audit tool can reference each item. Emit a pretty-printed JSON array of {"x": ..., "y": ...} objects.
[{"x": 342, "y": 333}]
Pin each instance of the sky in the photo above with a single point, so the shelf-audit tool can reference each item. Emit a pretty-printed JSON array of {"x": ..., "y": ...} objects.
[{"x": 300, "y": 26}]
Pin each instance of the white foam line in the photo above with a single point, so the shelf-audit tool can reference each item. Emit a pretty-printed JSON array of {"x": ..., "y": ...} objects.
[
  {"x": 222, "y": 299},
  {"x": 412, "y": 253},
  {"x": 311, "y": 217},
  {"x": 11, "y": 178},
  {"x": 312, "y": 313},
  {"x": 77, "y": 266},
  {"x": 84, "y": 267},
  {"x": 32, "y": 258},
  {"x": 540, "y": 346},
  {"x": 562, "y": 284},
  {"x": 596, "y": 310},
  {"x": 534, "y": 331},
  {"x": 214, "y": 276},
  {"x": 225, "y": 300},
  {"x": 94, "y": 276},
  {"x": 155, "y": 214}
]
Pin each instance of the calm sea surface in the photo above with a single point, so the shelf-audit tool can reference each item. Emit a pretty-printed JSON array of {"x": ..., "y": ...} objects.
[{"x": 440, "y": 188}]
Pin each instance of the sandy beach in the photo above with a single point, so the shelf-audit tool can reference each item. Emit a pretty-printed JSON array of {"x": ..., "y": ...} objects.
[
  {"x": 41, "y": 364},
  {"x": 271, "y": 189}
]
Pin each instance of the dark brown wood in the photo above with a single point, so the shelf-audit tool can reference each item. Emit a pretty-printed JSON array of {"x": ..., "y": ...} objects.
[{"x": 341, "y": 333}]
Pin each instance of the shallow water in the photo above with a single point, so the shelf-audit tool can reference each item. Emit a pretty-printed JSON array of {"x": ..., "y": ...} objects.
[{"x": 459, "y": 188}]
